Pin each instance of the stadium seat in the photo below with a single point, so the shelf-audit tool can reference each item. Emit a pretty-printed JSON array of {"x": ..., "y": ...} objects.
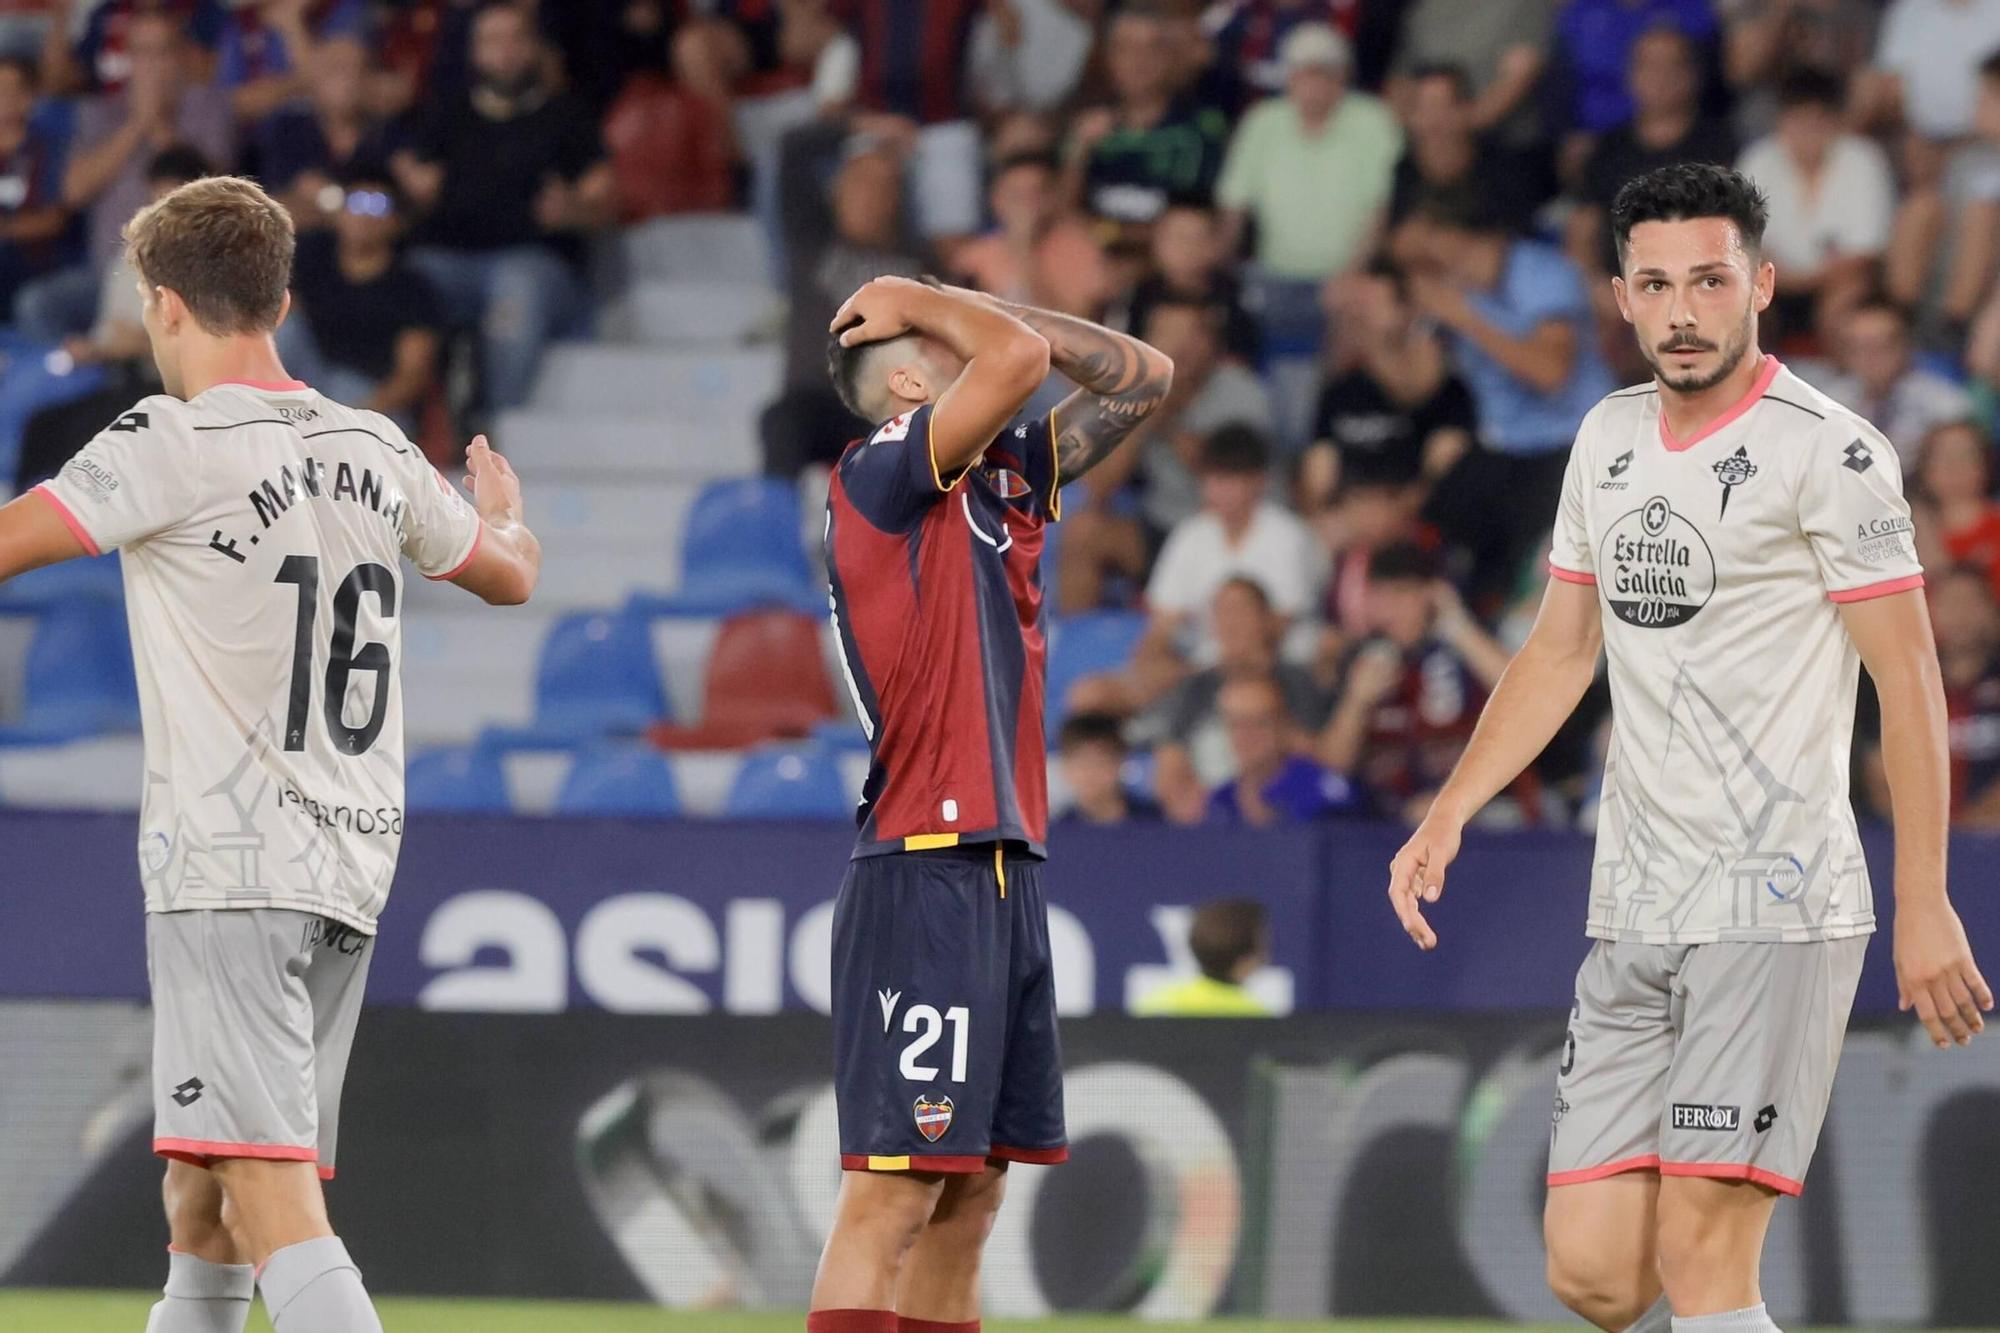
[
  {"x": 742, "y": 551},
  {"x": 98, "y": 579},
  {"x": 461, "y": 778},
  {"x": 766, "y": 680},
  {"x": 620, "y": 780},
  {"x": 596, "y": 677},
  {"x": 1086, "y": 645},
  {"x": 77, "y": 679},
  {"x": 790, "y": 782}
]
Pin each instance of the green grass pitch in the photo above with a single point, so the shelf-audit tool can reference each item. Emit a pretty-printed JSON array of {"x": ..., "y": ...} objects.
[{"x": 125, "y": 1312}]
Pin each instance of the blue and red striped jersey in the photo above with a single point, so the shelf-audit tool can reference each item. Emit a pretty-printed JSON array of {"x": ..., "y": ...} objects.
[{"x": 936, "y": 588}]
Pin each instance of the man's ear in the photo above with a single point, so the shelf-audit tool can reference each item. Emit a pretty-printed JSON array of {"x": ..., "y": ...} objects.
[
  {"x": 1624, "y": 307},
  {"x": 284, "y": 309},
  {"x": 1766, "y": 285},
  {"x": 173, "y": 311},
  {"x": 907, "y": 381}
]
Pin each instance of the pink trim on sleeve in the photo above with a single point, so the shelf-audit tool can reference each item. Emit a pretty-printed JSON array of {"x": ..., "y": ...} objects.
[
  {"x": 1883, "y": 589},
  {"x": 1571, "y": 575},
  {"x": 459, "y": 568},
  {"x": 69, "y": 519}
]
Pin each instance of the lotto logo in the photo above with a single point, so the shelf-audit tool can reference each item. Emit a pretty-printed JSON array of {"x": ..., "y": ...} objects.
[
  {"x": 188, "y": 1093},
  {"x": 1859, "y": 458},
  {"x": 1688, "y": 1116}
]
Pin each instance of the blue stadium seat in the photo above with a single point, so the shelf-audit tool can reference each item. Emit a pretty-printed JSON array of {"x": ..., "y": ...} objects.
[
  {"x": 620, "y": 780},
  {"x": 597, "y": 677},
  {"x": 1086, "y": 645},
  {"x": 457, "y": 778},
  {"x": 77, "y": 680},
  {"x": 789, "y": 782},
  {"x": 741, "y": 552},
  {"x": 98, "y": 580}
]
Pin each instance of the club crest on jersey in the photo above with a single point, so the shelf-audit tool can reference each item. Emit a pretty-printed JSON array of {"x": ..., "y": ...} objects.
[
  {"x": 1011, "y": 484},
  {"x": 933, "y": 1117},
  {"x": 1732, "y": 472}
]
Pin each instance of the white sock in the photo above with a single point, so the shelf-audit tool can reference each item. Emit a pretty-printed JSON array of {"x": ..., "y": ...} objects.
[
  {"x": 201, "y": 1297},
  {"x": 1656, "y": 1320},
  {"x": 313, "y": 1287},
  {"x": 1753, "y": 1320}
]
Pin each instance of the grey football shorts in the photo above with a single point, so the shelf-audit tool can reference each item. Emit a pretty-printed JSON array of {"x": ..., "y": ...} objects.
[
  {"x": 254, "y": 1011},
  {"x": 1702, "y": 1060}
]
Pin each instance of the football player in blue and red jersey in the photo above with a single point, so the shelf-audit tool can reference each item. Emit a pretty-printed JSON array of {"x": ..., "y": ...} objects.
[{"x": 946, "y": 1063}]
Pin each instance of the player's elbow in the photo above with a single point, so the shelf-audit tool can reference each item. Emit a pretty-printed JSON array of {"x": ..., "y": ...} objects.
[
  {"x": 1023, "y": 360},
  {"x": 1158, "y": 370}
]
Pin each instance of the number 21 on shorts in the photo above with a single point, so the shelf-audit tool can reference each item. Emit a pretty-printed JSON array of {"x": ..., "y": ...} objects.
[{"x": 928, "y": 1025}]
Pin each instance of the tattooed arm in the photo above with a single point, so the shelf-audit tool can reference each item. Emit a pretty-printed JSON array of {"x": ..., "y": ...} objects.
[{"x": 1120, "y": 382}]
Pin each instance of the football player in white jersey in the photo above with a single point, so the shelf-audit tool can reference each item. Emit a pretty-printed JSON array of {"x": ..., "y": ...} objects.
[
  {"x": 262, "y": 529},
  {"x": 1739, "y": 545}
]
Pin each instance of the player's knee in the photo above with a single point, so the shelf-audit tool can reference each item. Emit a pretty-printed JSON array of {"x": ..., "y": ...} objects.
[
  {"x": 195, "y": 1214},
  {"x": 1596, "y": 1290}
]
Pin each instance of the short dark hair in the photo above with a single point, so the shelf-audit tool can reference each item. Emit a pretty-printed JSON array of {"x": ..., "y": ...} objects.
[
  {"x": 1463, "y": 210},
  {"x": 224, "y": 245},
  {"x": 1225, "y": 933},
  {"x": 1402, "y": 562},
  {"x": 1249, "y": 585},
  {"x": 1032, "y": 157},
  {"x": 1213, "y": 314},
  {"x": 26, "y": 67},
  {"x": 1091, "y": 729},
  {"x": 177, "y": 163},
  {"x": 1688, "y": 190},
  {"x": 1449, "y": 70},
  {"x": 1883, "y": 305},
  {"x": 1806, "y": 86},
  {"x": 1236, "y": 449},
  {"x": 844, "y": 365}
]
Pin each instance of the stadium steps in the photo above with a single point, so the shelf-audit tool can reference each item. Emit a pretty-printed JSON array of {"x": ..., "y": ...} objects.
[
  {"x": 625, "y": 445},
  {"x": 101, "y": 773},
  {"x": 713, "y": 247},
  {"x": 464, "y": 669},
  {"x": 709, "y": 313},
  {"x": 693, "y": 389}
]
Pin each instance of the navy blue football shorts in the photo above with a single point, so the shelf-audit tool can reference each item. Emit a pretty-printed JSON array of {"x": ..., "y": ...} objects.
[{"x": 944, "y": 1012}]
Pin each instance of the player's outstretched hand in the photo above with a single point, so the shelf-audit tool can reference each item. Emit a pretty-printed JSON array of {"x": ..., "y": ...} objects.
[
  {"x": 496, "y": 491},
  {"x": 1416, "y": 875},
  {"x": 1935, "y": 973},
  {"x": 879, "y": 310}
]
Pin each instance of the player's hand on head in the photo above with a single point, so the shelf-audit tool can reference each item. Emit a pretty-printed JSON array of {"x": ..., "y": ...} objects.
[
  {"x": 879, "y": 310},
  {"x": 1936, "y": 974},
  {"x": 496, "y": 491},
  {"x": 1416, "y": 875}
]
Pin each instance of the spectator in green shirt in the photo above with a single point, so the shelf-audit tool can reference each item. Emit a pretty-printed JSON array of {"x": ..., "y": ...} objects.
[{"x": 1230, "y": 940}]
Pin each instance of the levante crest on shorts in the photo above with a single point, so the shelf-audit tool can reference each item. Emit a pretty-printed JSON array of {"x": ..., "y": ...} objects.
[{"x": 933, "y": 1117}]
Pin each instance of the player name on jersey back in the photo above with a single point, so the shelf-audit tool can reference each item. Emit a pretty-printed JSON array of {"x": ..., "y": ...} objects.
[
  {"x": 1720, "y": 564},
  {"x": 262, "y": 531}
]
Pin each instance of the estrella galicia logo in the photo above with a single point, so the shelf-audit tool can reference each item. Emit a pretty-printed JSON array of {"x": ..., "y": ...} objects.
[
  {"x": 188, "y": 1093},
  {"x": 1859, "y": 457},
  {"x": 1765, "y": 1119},
  {"x": 1719, "y": 1118},
  {"x": 1655, "y": 567},
  {"x": 1732, "y": 472}
]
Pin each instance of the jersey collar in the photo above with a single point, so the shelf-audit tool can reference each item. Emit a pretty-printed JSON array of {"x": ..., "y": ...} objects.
[
  {"x": 268, "y": 386},
  {"x": 1737, "y": 409}
]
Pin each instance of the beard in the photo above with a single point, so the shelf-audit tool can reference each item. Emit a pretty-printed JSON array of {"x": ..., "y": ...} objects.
[{"x": 1693, "y": 381}]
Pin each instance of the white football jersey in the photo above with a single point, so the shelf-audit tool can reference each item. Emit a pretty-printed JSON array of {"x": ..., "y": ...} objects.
[
  {"x": 1718, "y": 562},
  {"x": 262, "y": 529}
]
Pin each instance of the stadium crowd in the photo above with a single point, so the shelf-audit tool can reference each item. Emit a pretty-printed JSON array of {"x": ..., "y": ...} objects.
[{"x": 1371, "y": 234}]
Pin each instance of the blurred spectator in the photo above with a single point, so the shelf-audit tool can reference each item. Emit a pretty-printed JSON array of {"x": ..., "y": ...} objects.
[
  {"x": 1274, "y": 783},
  {"x": 117, "y": 135},
  {"x": 1230, "y": 941},
  {"x": 1517, "y": 323},
  {"x": 1191, "y": 751},
  {"x": 32, "y": 216},
  {"x": 1367, "y": 514},
  {"x": 1189, "y": 264},
  {"x": 1927, "y": 65},
  {"x": 1037, "y": 256},
  {"x": 916, "y": 90},
  {"x": 1151, "y": 147},
  {"x": 1945, "y": 244},
  {"x": 1880, "y": 380},
  {"x": 90, "y": 49},
  {"x": 1389, "y": 410},
  {"x": 1593, "y": 57},
  {"x": 1313, "y": 169},
  {"x": 268, "y": 45},
  {"x": 1832, "y": 199},
  {"x": 1764, "y": 40},
  {"x": 1499, "y": 46},
  {"x": 303, "y": 150},
  {"x": 1410, "y": 694},
  {"x": 1238, "y": 533},
  {"x": 1247, "y": 38},
  {"x": 506, "y": 180},
  {"x": 1091, "y": 750},
  {"x": 1103, "y": 538},
  {"x": 1445, "y": 158},
  {"x": 1966, "y": 624},
  {"x": 1954, "y": 493},
  {"x": 1029, "y": 54},
  {"x": 54, "y": 398},
  {"x": 1666, "y": 128},
  {"x": 365, "y": 327},
  {"x": 840, "y": 240}
]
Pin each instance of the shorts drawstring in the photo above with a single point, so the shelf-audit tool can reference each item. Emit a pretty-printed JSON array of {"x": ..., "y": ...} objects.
[{"x": 1000, "y": 866}]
